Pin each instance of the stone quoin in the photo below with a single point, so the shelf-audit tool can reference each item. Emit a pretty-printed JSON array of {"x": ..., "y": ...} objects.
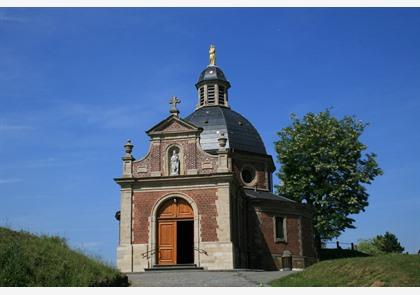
[{"x": 202, "y": 195}]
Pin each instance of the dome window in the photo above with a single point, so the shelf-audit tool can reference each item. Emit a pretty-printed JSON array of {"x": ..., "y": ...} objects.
[{"x": 248, "y": 175}]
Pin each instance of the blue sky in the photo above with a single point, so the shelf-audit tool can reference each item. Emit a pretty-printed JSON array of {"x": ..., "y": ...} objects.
[{"x": 77, "y": 83}]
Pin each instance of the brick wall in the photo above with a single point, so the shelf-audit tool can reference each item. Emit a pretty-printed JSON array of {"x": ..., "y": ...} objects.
[
  {"x": 264, "y": 226},
  {"x": 264, "y": 252},
  {"x": 154, "y": 161},
  {"x": 193, "y": 158},
  {"x": 143, "y": 203},
  {"x": 292, "y": 230},
  {"x": 190, "y": 158},
  {"x": 260, "y": 169}
]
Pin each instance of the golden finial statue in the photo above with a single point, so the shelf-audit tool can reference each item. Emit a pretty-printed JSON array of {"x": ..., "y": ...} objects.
[{"x": 212, "y": 55}]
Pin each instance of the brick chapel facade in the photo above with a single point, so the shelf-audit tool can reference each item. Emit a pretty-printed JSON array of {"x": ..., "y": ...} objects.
[{"x": 202, "y": 195}]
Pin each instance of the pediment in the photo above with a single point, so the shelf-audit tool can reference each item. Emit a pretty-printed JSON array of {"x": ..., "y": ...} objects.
[{"x": 173, "y": 124}]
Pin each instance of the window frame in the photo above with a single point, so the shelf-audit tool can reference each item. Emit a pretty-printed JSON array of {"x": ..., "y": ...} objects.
[
  {"x": 253, "y": 171},
  {"x": 284, "y": 239}
]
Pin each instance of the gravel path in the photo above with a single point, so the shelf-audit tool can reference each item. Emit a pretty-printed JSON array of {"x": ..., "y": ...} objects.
[{"x": 205, "y": 278}]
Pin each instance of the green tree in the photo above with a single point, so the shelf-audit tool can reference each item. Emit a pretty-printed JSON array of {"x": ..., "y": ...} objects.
[
  {"x": 388, "y": 243},
  {"x": 367, "y": 246},
  {"x": 322, "y": 164}
]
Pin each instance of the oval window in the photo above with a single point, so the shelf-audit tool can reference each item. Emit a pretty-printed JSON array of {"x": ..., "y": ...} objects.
[{"x": 248, "y": 174}]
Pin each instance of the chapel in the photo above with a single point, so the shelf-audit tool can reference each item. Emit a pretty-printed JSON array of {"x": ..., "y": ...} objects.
[{"x": 202, "y": 197}]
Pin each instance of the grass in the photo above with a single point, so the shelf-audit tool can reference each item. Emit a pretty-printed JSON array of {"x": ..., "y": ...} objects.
[
  {"x": 30, "y": 260},
  {"x": 327, "y": 254},
  {"x": 394, "y": 270}
]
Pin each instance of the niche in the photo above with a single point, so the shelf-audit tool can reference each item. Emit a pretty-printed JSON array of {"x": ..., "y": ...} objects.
[{"x": 174, "y": 160}]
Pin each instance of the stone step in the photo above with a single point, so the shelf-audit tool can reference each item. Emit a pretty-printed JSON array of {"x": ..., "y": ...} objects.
[{"x": 174, "y": 267}]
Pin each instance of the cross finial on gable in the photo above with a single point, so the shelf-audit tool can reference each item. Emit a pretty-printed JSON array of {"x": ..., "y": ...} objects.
[{"x": 173, "y": 102}]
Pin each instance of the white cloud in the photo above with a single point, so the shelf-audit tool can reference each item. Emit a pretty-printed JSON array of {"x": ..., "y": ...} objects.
[
  {"x": 50, "y": 162},
  {"x": 43, "y": 163},
  {"x": 109, "y": 116},
  {"x": 14, "y": 128},
  {"x": 10, "y": 180},
  {"x": 11, "y": 18}
]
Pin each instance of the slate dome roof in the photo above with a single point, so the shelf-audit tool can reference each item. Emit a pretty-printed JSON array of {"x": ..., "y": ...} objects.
[
  {"x": 212, "y": 73},
  {"x": 241, "y": 135}
]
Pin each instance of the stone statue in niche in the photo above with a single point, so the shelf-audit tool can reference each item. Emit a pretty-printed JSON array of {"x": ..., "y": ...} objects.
[{"x": 174, "y": 167}]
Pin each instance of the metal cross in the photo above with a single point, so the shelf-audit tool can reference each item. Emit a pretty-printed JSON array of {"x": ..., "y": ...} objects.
[{"x": 173, "y": 102}]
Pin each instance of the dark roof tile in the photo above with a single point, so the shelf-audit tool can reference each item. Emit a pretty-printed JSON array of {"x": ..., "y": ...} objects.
[
  {"x": 239, "y": 131},
  {"x": 266, "y": 196}
]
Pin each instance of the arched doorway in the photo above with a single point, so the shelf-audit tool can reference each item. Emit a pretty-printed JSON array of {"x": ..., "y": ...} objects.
[{"x": 175, "y": 232}]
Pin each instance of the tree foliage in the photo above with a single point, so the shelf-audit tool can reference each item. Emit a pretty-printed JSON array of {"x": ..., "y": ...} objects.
[
  {"x": 367, "y": 246},
  {"x": 388, "y": 243},
  {"x": 322, "y": 164},
  {"x": 381, "y": 244}
]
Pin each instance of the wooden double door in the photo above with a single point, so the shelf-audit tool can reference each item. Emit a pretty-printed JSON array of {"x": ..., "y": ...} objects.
[{"x": 175, "y": 233}]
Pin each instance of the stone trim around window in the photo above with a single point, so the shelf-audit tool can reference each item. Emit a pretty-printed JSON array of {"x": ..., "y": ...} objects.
[
  {"x": 253, "y": 172},
  {"x": 276, "y": 239}
]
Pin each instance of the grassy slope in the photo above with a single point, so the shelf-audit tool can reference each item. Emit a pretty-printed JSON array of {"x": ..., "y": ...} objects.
[
  {"x": 29, "y": 260},
  {"x": 387, "y": 270},
  {"x": 328, "y": 254}
]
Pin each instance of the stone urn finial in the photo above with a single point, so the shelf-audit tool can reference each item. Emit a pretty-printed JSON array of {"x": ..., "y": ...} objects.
[
  {"x": 128, "y": 148},
  {"x": 222, "y": 140}
]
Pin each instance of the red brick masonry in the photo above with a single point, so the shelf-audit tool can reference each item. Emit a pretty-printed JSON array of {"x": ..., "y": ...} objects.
[{"x": 143, "y": 203}]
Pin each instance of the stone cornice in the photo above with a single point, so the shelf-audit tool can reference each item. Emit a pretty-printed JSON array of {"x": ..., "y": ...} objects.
[
  {"x": 175, "y": 180},
  {"x": 159, "y": 128}
]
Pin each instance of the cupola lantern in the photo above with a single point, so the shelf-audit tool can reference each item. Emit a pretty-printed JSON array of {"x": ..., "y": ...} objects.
[{"x": 212, "y": 86}]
